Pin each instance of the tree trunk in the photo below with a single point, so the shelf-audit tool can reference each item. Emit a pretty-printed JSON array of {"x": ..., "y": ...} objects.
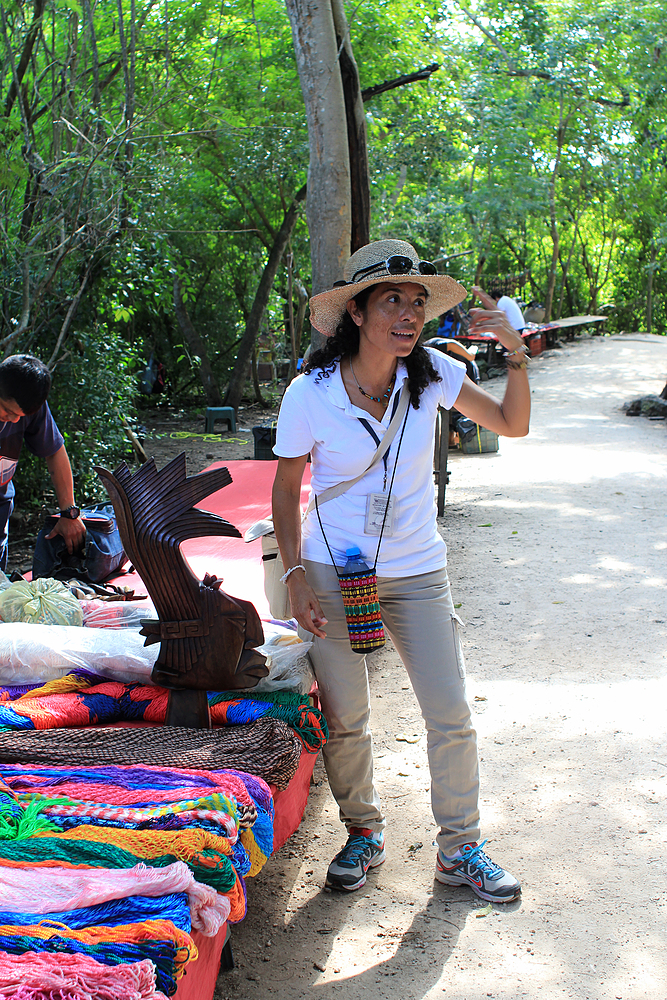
[
  {"x": 649, "y": 288},
  {"x": 247, "y": 343},
  {"x": 255, "y": 379},
  {"x": 553, "y": 221},
  {"x": 566, "y": 289},
  {"x": 290, "y": 316},
  {"x": 360, "y": 191},
  {"x": 328, "y": 205},
  {"x": 197, "y": 347},
  {"x": 555, "y": 240},
  {"x": 302, "y": 296},
  {"x": 30, "y": 40}
]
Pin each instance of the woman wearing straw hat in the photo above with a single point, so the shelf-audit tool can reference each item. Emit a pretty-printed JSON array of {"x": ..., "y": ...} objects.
[{"x": 338, "y": 411}]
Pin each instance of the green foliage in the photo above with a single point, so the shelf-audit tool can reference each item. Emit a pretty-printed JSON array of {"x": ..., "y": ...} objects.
[
  {"x": 94, "y": 385},
  {"x": 544, "y": 118}
]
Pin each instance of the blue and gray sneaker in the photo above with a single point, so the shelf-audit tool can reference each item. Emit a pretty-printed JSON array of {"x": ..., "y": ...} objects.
[
  {"x": 361, "y": 852},
  {"x": 472, "y": 867}
]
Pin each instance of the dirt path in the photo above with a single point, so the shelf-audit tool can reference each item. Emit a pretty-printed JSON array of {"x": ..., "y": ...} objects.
[{"x": 557, "y": 557}]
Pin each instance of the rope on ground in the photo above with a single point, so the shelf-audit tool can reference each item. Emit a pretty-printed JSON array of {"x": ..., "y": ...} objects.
[{"x": 184, "y": 435}]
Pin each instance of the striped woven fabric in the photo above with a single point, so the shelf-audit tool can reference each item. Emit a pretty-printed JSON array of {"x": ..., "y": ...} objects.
[
  {"x": 140, "y": 854},
  {"x": 84, "y": 700},
  {"x": 362, "y": 610},
  {"x": 207, "y": 857},
  {"x": 34, "y": 891},
  {"x": 111, "y": 913}
]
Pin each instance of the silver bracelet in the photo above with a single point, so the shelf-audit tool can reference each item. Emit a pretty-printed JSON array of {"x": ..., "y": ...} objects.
[{"x": 284, "y": 578}]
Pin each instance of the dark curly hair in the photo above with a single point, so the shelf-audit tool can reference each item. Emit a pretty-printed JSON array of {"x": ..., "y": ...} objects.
[{"x": 345, "y": 343}]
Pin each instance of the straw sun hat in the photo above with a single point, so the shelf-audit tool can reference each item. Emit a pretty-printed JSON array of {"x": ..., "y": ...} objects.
[{"x": 385, "y": 260}]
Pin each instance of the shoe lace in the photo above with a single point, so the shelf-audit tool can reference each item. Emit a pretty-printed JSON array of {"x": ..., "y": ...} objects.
[
  {"x": 354, "y": 848},
  {"x": 482, "y": 861}
]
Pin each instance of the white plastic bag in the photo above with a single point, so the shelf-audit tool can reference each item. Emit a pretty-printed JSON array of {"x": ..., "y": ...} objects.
[
  {"x": 40, "y": 602},
  {"x": 287, "y": 658},
  {"x": 115, "y": 614},
  {"x": 36, "y": 653}
]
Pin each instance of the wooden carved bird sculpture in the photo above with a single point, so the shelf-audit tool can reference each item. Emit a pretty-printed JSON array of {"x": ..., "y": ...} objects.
[{"x": 207, "y": 638}]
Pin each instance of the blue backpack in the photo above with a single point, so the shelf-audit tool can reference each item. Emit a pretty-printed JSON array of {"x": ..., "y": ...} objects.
[{"x": 101, "y": 556}]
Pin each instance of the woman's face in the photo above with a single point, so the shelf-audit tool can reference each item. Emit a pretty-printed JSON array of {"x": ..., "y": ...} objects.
[{"x": 393, "y": 318}]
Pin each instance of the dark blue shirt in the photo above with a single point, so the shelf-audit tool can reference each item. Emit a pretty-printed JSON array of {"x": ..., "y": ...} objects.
[{"x": 41, "y": 436}]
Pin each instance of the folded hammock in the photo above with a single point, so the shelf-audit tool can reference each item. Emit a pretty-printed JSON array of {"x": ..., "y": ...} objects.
[
  {"x": 160, "y": 941},
  {"x": 129, "y": 909},
  {"x": 46, "y": 891},
  {"x": 43, "y": 976},
  {"x": 148, "y": 800},
  {"x": 75, "y": 700},
  {"x": 100, "y": 847},
  {"x": 267, "y": 748}
]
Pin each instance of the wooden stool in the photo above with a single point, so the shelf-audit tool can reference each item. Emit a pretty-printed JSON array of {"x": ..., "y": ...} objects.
[{"x": 214, "y": 413}]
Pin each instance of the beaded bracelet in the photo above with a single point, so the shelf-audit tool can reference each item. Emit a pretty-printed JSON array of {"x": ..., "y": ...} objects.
[
  {"x": 285, "y": 577},
  {"x": 519, "y": 350}
]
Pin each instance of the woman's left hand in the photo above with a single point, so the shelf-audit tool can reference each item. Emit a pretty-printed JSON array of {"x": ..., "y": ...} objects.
[{"x": 495, "y": 321}]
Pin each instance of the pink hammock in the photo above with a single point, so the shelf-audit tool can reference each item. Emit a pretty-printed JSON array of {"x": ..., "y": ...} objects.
[
  {"x": 45, "y": 976},
  {"x": 52, "y": 890}
]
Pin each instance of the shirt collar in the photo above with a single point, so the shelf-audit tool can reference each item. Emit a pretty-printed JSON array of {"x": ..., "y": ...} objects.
[{"x": 337, "y": 393}]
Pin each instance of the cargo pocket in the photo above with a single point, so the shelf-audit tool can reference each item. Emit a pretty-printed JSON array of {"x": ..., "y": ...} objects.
[{"x": 458, "y": 648}]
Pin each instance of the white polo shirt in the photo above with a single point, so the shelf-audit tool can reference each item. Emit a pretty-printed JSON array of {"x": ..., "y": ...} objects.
[{"x": 317, "y": 417}]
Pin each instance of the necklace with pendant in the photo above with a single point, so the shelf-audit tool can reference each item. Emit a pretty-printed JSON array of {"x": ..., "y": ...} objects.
[{"x": 376, "y": 399}]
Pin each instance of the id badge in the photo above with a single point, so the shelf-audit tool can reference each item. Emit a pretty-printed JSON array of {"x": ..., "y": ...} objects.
[{"x": 375, "y": 508}]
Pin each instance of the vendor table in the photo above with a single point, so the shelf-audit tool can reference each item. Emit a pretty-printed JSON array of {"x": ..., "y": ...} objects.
[{"x": 247, "y": 499}]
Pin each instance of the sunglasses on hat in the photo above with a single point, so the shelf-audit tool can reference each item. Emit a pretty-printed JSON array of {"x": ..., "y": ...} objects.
[{"x": 397, "y": 264}]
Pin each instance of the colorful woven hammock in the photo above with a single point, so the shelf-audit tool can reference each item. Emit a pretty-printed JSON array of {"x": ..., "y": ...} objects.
[
  {"x": 100, "y": 847},
  {"x": 40, "y": 891},
  {"x": 160, "y": 941},
  {"x": 129, "y": 909},
  {"x": 47, "y": 976},
  {"x": 149, "y": 798},
  {"x": 82, "y": 700}
]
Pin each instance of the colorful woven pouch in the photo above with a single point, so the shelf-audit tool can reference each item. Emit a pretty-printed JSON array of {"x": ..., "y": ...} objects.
[{"x": 362, "y": 610}]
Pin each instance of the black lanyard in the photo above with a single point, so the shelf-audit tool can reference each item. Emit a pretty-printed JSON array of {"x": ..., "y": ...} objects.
[
  {"x": 386, "y": 506},
  {"x": 385, "y": 457}
]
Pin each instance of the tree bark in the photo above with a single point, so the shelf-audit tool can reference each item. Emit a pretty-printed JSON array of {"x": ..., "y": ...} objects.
[
  {"x": 24, "y": 61},
  {"x": 649, "y": 288},
  {"x": 198, "y": 348},
  {"x": 328, "y": 205},
  {"x": 247, "y": 343},
  {"x": 553, "y": 221},
  {"x": 255, "y": 379},
  {"x": 360, "y": 191}
]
